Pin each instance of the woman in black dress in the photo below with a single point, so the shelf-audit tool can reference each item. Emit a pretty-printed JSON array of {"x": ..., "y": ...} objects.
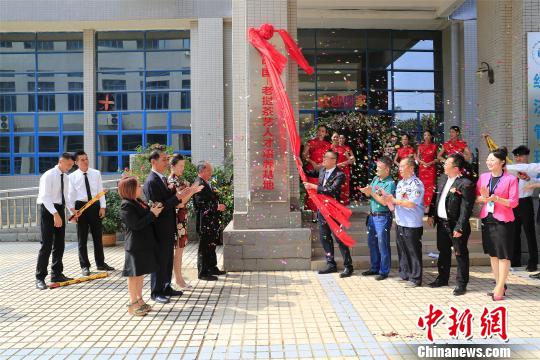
[{"x": 139, "y": 241}]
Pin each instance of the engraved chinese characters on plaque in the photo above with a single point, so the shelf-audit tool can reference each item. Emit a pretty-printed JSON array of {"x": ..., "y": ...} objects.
[{"x": 268, "y": 147}]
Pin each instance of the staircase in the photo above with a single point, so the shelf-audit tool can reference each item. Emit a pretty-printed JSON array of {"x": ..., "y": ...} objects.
[{"x": 360, "y": 251}]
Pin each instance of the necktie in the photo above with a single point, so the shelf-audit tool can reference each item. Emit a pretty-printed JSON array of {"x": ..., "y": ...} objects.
[
  {"x": 62, "y": 189},
  {"x": 164, "y": 180},
  {"x": 87, "y": 185},
  {"x": 326, "y": 176}
]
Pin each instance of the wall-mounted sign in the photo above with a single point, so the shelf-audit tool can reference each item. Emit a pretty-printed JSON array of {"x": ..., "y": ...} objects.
[
  {"x": 533, "y": 92},
  {"x": 348, "y": 102}
]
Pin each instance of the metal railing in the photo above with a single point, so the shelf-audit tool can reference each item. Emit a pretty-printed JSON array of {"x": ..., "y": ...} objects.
[{"x": 18, "y": 208}]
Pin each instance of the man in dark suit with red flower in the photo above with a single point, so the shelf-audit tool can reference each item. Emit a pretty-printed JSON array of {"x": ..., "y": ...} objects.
[{"x": 450, "y": 210}]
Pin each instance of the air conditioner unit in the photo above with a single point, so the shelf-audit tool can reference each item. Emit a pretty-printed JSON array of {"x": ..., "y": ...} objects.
[
  {"x": 112, "y": 119},
  {"x": 4, "y": 123}
]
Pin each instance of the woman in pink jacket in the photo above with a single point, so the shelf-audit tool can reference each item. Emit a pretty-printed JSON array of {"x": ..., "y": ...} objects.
[{"x": 498, "y": 191}]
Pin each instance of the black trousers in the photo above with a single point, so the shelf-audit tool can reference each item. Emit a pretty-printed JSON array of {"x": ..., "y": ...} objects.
[
  {"x": 160, "y": 281},
  {"x": 524, "y": 214},
  {"x": 445, "y": 240},
  {"x": 206, "y": 255},
  {"x": 327, "y": 239},
  {"x": 89, "y": 220},
  {"x": 409, "y": 248},
  {"x": 52, "y": 240}
]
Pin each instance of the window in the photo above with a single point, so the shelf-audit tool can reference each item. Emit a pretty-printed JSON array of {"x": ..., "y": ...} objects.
[
  {"x": 74, "y": 45},
  {"x": 42, "y": 75},
  {"x": 8, "y": 103},
  {"x": 76, "y": 100},
  {"x": 143, "y": 93},
  {"x": 398, "y": 73},
  {"x": 45, "y": 102}
]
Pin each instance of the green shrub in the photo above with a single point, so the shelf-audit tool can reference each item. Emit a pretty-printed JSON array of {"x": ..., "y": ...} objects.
[
  {"x": 221, "y": 179},
  {"x": 111, "y": 222}
]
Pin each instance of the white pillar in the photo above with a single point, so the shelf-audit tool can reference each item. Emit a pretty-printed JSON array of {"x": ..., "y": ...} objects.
[
  {"x": 89, "y": 79},
  {"x": 207, "y": 104}
]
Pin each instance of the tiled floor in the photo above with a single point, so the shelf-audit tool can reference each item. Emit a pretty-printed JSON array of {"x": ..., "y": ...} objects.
[{"x": 244, "y": 315}]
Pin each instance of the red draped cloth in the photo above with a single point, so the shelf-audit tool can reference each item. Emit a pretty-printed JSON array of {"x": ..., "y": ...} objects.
[
  {"x": 316, "y": 151},
  {"x": 427, "y": 174},
  {"x": 335, "y": 214},
  {"x": 343, "y": 155}
]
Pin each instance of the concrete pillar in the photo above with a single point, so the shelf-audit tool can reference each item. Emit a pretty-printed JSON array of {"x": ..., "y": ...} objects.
[
  {"x": 265, "y": 234},
  {"x": 451, "y": 42},
  {"x": 89, "y": 79},
  {"x": 470, "y": 91},
  {"x": 495, "y": 47},
  {"x": 207, "y": 104}
]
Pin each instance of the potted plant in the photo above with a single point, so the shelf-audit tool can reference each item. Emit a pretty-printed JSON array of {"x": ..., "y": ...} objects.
[{"x": 111, "y": 222}]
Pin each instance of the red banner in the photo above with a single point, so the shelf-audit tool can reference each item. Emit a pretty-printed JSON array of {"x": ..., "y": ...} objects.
[{"x": 335, "y": 214}]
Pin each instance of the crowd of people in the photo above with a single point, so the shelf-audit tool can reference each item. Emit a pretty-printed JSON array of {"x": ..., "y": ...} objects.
[
  {"x": 155, "y": 228},
  {"x": 504, "y": 194}
]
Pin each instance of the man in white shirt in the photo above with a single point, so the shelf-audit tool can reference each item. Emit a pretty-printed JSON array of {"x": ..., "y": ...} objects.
[
  {"x": 53, "y": 192},
  {"x": 451, "y": 210},
  {"x": 85, "y": 183},
  {"x": 524, "y": 212},
  {"x": 409, "y": 210}
]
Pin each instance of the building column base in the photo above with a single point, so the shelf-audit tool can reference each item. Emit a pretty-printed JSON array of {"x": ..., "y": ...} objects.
[{"x": 281, "y": 249}]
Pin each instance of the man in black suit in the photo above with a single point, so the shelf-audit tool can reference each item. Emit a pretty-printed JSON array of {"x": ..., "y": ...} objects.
[
  {"x": 450, "y": 210},
  {"x": 156, "y": 190},
  {"x": 209, "y": 211},
  {"x": 331, "y": 178}
]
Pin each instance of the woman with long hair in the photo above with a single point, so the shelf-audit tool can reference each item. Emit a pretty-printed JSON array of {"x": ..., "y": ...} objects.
[{"x": 498, "y": 193}]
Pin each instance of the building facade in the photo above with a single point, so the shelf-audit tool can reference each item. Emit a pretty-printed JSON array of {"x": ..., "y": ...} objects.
[{"x": 109, "y": 79}]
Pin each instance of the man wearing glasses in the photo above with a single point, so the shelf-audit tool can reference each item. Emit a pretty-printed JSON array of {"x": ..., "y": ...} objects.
[{"x": 331, "y": 178}]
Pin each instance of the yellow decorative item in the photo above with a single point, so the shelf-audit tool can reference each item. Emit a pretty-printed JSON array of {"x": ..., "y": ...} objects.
[
  {"x": 88, "y": 204},
  {"x": 79, "y": 280},
  {"x": 491, "y": 145}
]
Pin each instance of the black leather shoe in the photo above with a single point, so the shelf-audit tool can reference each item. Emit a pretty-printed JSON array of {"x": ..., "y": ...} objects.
[
  {"x": 328, "y": 270},
  {"x": 532, "y": 268},
  {"x": 175, "y": 293},
  {"x": 459, "y": 290},
  {"x": 40, "y": 284},
  {"x": 85, "y": 271},
  {"x": 161, "y": 299},
  {"x": 60, "y": 278},
  {"x": 216, "y": 271},
  {"x": 346, "y": 273},
  {"x": 535, "y": 276},
  {"x": 437, "y": 283},
  {"x": 105, "y": 267},
  {"x": 381, "y": 277},
  {"x": 369, "y": 273},
  {"x": 208, "y": 277}
]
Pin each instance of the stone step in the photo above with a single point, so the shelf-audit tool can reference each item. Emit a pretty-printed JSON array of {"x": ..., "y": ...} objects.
[
  {"x": 361, "y": 263},
  {"x": 428, "y": 237},
  {"x": 363, "y": 249}
]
